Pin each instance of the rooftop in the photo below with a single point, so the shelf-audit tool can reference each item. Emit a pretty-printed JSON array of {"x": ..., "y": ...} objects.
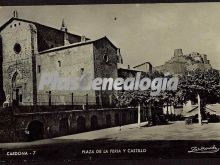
[
  {"x": 35, "y": 23},
  {"x": 76, "y": 44}
]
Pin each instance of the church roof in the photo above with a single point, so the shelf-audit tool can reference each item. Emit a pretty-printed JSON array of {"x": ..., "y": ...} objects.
[
  {"x": 77, "y": 44},
  {"x": 32, "y": 22},
  {"x": 88, "y": 41}
]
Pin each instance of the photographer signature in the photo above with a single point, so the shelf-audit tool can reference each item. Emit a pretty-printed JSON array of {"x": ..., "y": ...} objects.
[{"x": 212, "y": 149}]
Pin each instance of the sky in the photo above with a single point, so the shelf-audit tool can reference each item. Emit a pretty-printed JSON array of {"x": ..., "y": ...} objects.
[{"x": 143, "y": 32}]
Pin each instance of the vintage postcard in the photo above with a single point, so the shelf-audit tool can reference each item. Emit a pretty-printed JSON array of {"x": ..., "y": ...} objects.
[{"x": 109, "y": 82}]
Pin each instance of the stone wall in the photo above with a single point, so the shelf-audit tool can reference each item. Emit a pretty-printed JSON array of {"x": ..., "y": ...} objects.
[
  {"x": 2, "y": 93},
  {"x": 105, "y": 66},
  {"x": 72, "y": 62},
  {"x": 76, "y": 121},
  {"x": 173, "y": 68}
]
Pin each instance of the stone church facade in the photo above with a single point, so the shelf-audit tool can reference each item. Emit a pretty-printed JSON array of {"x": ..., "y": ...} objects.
[{"x": 29, "y": 49}]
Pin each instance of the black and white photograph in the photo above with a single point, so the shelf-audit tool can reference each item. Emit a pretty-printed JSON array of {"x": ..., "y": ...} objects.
[{"x": 109, "y": 82}]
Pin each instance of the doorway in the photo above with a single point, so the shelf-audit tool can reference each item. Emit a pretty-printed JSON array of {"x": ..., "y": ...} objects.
[
  {"x": 16, "y": 89},
  {"x": 17, "y": 96}
]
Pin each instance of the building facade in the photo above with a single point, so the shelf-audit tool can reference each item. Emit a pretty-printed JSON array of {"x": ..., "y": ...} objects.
[{"x": 30, "y": 50}]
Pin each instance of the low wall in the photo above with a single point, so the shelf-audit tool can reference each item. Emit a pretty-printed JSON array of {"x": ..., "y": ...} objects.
[{"x": 47, "y": 124}]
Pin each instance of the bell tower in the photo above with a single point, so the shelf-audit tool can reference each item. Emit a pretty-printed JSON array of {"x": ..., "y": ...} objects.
[
  {"x": 15, "y": 14},
  {"x": 63, "y": 26},
  {"x": 64, "y": 29}
]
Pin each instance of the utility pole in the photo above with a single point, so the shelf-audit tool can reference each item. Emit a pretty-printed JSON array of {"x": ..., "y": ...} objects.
[
  {"x": 139, "y": 115},
  {"x": 199, "y": 111},
  {"x": 87, "y": 101}
]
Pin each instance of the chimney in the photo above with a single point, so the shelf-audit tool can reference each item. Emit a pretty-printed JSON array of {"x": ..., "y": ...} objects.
[
  {"x": 15, "y": 14},
  {"x": 83, "y": 39},
  {"x": 178, "y": 52}
]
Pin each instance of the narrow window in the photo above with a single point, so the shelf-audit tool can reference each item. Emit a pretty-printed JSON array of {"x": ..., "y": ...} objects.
[
  {"x": 81, "y": 71},
  {"x": 59, "y": 63},
  {"x": 105, "y": 58},
  {"x": 39, "y": 69},
  {"x": 14, "y": 25}
]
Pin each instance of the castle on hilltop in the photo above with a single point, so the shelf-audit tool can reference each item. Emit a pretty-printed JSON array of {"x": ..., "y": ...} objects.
[{"x": 181, "y": 63}]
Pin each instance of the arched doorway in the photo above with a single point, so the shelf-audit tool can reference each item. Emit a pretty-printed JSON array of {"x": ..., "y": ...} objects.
[
  {"x": 16, "y": 88},
  {"x": 36, "y": 130},
  {"x": 108, "y": 120},
  {"x": 81, "y": 124},
  {"x": 117, "y": 121},
  {"x": 64, "y": 126},
  {"x": 94, "y": 122}
]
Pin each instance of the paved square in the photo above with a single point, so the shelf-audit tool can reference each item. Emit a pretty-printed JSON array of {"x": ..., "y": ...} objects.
[{"x": 175, "y": 131}]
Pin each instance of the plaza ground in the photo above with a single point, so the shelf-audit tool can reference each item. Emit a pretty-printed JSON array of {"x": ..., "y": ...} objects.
[{"x": 173, "y": 131}]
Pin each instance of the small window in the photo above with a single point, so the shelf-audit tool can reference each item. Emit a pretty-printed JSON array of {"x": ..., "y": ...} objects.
[
  {"x": 19, "y": 23},
  {"x": 59, "y": 63},
  {"x": 39, "y": 69},
  {"x": 10, "y": 26},
  {"x": 14, "y": 25},
  {"x": 81, "y": 71}
]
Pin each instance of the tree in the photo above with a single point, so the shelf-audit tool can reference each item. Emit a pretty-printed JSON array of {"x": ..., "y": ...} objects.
[
  {"x": 143, "y": 98},
  {"x": 199, "y": 85}
]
